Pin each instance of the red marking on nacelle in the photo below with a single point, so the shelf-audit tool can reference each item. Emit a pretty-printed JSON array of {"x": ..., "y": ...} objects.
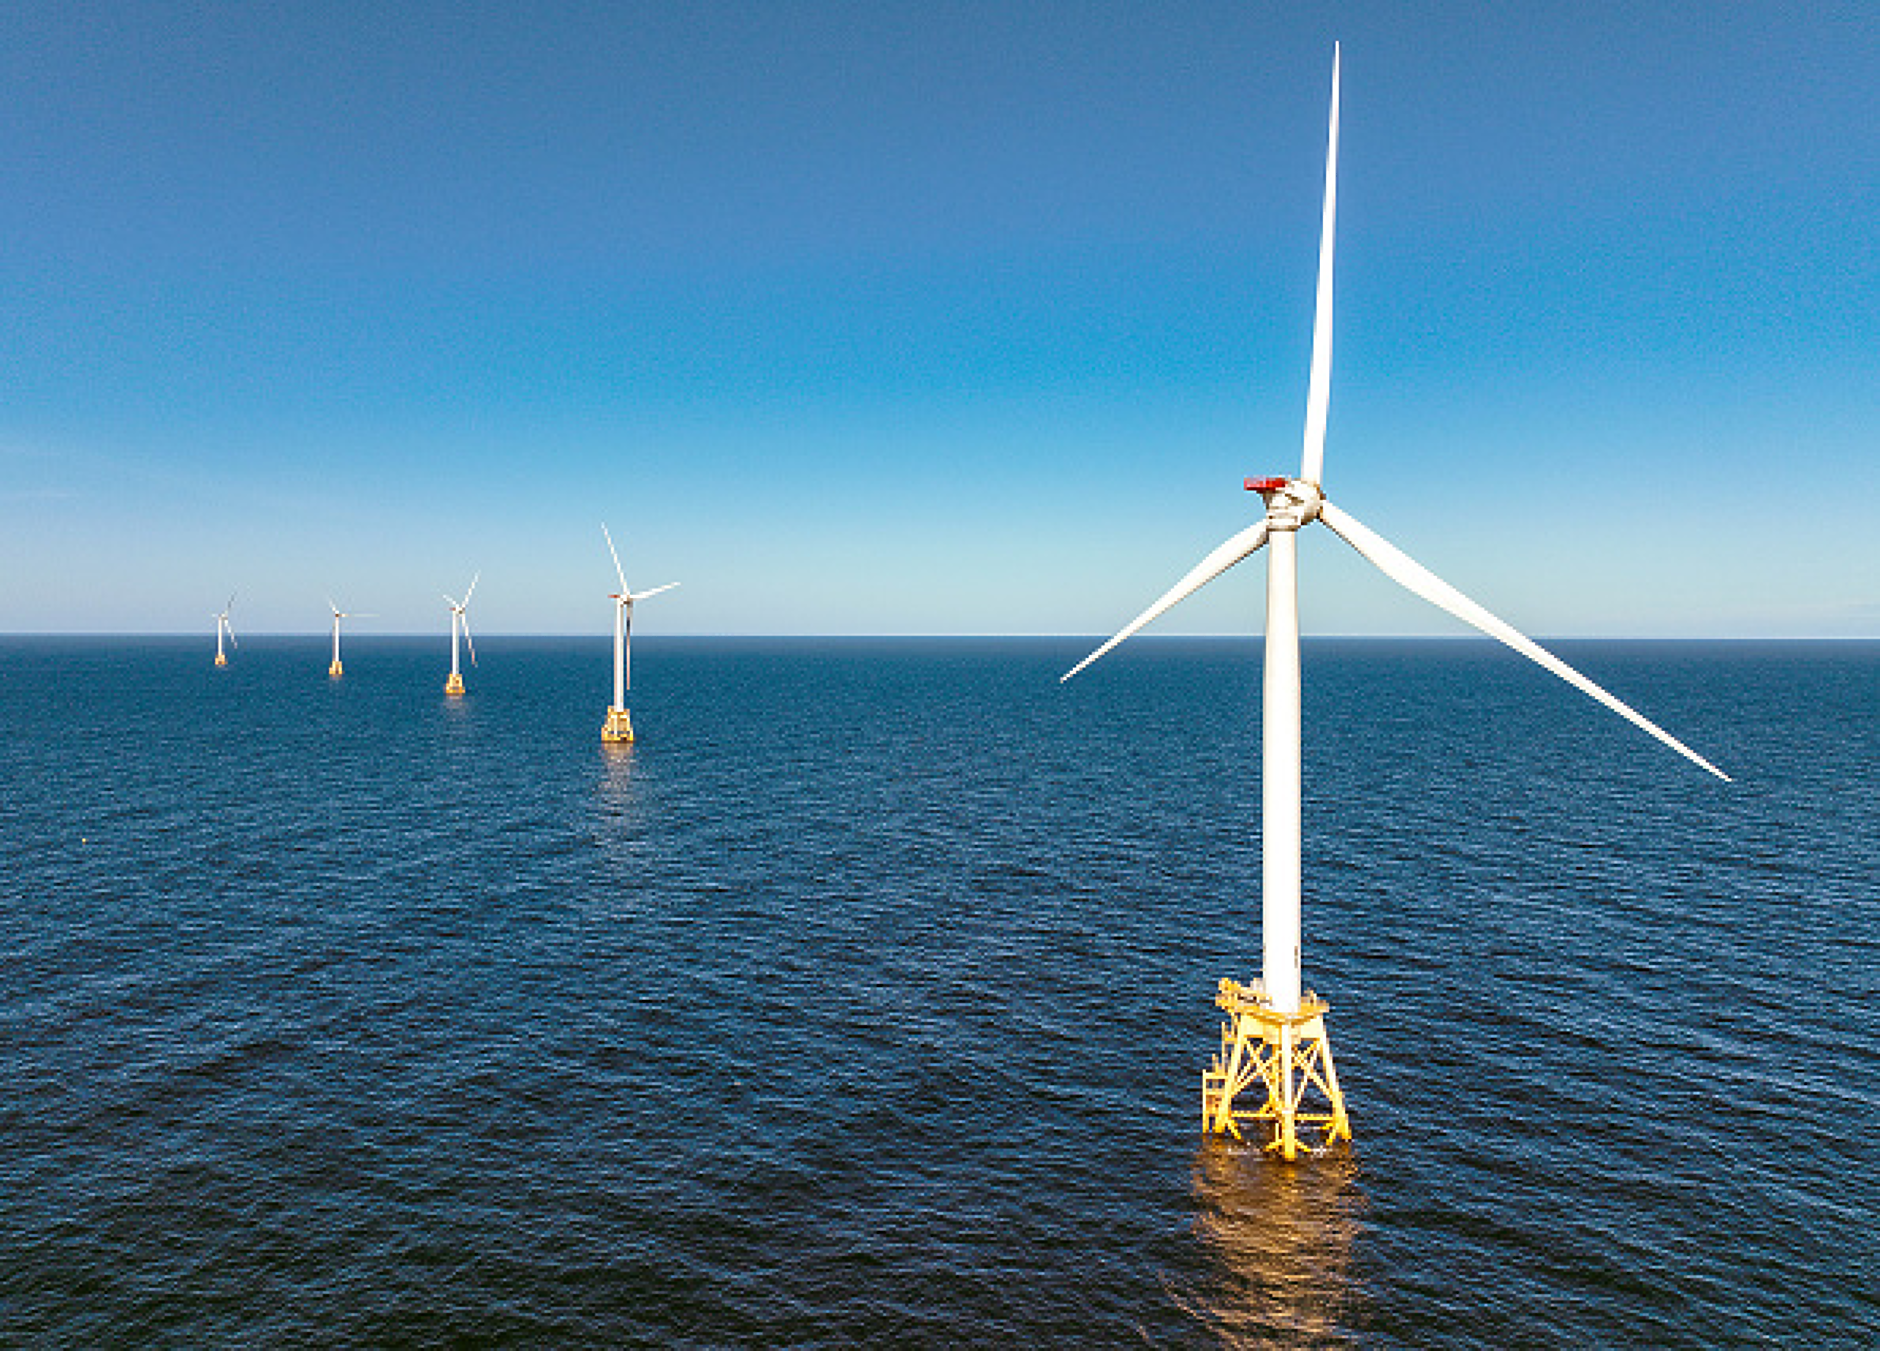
[{"x": 1265, "y": 485}]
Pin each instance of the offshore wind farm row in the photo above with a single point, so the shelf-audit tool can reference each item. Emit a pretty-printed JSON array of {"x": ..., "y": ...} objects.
[
  {"x": 617, "y": 728},
  {"x": 1274, "y": 1045}
]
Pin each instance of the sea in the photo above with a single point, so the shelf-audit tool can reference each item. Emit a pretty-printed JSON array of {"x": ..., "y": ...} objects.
[{"x": 864, "y": 1001}]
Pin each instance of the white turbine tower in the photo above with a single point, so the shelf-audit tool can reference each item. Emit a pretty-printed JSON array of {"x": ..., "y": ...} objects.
[
  {"x": 222, "y": 626},
  {"x": 336, "y": 670},
  {"x": 460, "y": 619},
  {"x": 1275, "y": 1036},
  {"x": 619, "y": 727}
]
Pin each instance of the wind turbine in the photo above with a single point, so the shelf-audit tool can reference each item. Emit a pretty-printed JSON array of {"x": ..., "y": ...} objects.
[
  {"x": 222, "y": 626},
  {"x": 459, "y": 619},
  {"x": 619, "y": 727},
  {"x": 1275, "y": 1035},
  {"x": 336, "y": 670}
]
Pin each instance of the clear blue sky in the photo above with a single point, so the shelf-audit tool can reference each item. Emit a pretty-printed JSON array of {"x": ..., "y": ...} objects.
[{"x": 937, "y": 318}]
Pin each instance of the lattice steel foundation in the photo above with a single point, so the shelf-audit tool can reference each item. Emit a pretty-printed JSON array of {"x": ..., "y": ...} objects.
[{"x": 1288, "y": 1054}]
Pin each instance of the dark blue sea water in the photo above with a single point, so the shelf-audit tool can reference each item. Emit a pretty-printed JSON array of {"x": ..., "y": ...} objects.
[{"x": 865, "y": 999}]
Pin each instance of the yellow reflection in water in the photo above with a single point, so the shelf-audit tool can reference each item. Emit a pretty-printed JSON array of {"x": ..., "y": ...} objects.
[
  {"x": 617, "y": 818},
  {"x": 1278, "y": 1238},
  {"x": 615, "y": 788}
]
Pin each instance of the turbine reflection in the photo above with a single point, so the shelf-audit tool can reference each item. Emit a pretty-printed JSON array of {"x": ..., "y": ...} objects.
[
  {"x": 619, "y": 802},
  {"x": 615, "y": 788},
  {"x": 1278, "y": 1242}
]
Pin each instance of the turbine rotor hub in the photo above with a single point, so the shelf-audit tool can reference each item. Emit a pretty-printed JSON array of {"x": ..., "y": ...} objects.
[{"x": 1290, "y": 502}]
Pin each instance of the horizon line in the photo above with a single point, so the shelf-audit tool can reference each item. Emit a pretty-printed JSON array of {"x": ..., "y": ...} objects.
[{"x": 354, "y": 636}]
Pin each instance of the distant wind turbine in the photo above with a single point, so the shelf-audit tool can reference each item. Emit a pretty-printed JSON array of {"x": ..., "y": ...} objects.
[
  {"x": 460, "y": 619},
  {"x": 1275, "y": 1037},
  {"x": 619, "y": 726},
  {"x": 336, "y": 670},
  {"x": 222, "y": 626}
]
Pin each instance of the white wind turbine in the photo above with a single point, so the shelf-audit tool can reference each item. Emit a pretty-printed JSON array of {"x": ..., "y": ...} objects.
[
  {"x": 619, "y": 727},
  {"x": 460, "y": 619},
  {"x": 222, "y": 626},
  {"x": 1273, "y": 1034},
  {"x": 336, "y": 669}
]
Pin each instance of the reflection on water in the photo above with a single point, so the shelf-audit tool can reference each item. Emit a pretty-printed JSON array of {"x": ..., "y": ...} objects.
[
  {"x": 1278, "y": 1241},
  {"x": 615, "y": 788}
]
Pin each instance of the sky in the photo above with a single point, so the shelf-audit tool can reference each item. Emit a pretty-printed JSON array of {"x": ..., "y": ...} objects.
[{"x": 958, "y": 318}]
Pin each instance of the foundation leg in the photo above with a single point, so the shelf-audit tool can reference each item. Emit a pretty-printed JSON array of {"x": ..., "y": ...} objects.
[
  {"x": 1341, "y": 1124},
  {"x": 1288, "y": 1138},
  {"x": 1224, "y": 1109}
]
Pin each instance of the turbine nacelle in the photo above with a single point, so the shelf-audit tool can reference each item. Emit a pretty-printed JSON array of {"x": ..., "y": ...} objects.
[{"x": 1290, "y": 503}]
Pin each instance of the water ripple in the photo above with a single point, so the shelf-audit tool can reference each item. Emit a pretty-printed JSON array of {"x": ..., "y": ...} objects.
[{"x": 865, "y": 998}]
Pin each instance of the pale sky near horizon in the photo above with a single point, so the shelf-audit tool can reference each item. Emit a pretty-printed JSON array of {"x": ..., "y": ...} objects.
[{"x": 964, "y": 317}]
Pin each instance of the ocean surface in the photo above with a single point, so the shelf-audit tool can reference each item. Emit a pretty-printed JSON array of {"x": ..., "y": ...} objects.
[{"x": 865, "y": 1000}]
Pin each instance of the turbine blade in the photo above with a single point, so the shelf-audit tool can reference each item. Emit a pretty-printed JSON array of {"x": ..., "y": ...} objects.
[
  {"x": 1413, "y": 576},
  {"x": 473, "y": 586},
  {"x": 616, "y": 557},
  {"x": 467, "y": 642},
  {"x": 1199, "y": 576},
  {"x": 642, "y": 595},
  {"x": 452, "y": 603},
  {"x": 1319, "y": 388}
]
